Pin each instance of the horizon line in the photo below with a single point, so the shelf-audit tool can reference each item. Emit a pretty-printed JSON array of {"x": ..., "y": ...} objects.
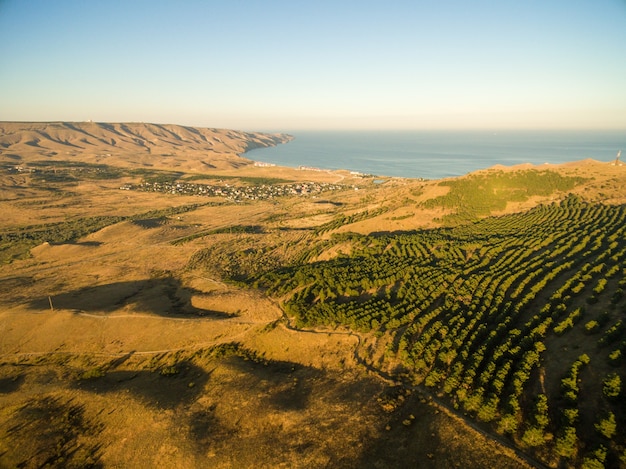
[{"x": 370, "y": 128}]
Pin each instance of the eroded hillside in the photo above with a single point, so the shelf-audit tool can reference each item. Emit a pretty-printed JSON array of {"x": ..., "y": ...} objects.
[{"x": 162, "y": 146}]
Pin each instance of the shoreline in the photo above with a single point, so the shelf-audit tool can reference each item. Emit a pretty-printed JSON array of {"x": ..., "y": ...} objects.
[{"x": 437, "y": 155}]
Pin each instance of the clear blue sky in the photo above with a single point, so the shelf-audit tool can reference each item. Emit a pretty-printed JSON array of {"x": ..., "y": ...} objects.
[{"x": 283, "y": 65}]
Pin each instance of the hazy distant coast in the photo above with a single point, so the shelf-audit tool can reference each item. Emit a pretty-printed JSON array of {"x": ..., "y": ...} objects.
[
  {"x": 412, "y": 154},
  {"x": 439, "y": 154}
]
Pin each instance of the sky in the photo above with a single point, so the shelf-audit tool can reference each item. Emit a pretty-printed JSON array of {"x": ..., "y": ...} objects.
[{"x": 283, "y": 65}]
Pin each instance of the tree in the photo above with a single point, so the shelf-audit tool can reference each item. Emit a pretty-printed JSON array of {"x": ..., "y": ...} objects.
[
  {"x": 534, "y": 436},
  {"x": 571, "y": 415},
  {"x": 607, "y": 426},
  {"x": 612, "y": 385},
  {"x": 566, "y": 443},
  {"x": 541, "y": 414},
  {"x": 489, "y": 410},
  {"x": 591, "y": 327},
  {"x": 595, "y": 460},
  {"x": 508, "y": 424}
]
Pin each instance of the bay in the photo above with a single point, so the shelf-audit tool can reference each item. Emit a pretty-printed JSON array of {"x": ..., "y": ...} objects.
[{"x": 438, "y": 154}]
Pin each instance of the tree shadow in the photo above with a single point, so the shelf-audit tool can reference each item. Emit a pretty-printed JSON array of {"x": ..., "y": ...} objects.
[
  {"x": 161, "y": 296},
  {"x": 63, "y": 433},
  {"x": 166, "y": 387},
  {"x": 12, "y": 156},
  {"x": 284, "y": 385},
  {"x": 331, "y": 202},
  {"x": 340, "y": 421},
  {"x": 11, "y": 384},
  {"x": 206, "y": 430},
  {"x": 80, "y": 243},
  {"x": 149, "y": 223}
]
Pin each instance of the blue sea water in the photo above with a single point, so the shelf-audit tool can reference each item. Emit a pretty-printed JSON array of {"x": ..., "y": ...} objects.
[{"x": 438, "y": 154}]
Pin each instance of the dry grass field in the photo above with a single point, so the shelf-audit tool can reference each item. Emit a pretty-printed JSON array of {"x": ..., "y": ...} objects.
[{"x": 118, "y": 348}]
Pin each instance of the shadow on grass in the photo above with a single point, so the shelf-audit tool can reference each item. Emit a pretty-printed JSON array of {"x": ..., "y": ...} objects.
[
  {"x": 10, "y": 384},
  {"x": 51, "y": 431},
  {"x": 284, "y": 385},
  {"x": 166, "y": 387},
  {"x": 161, "y": 296},
  {"x": 90, "y": 244}
]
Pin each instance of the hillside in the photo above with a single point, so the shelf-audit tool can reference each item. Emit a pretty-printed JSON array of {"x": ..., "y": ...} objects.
[
  {"x": 245, "y": 316},
  {"x": 514, "y": 321},
  {"x": 131, "y": 144}
]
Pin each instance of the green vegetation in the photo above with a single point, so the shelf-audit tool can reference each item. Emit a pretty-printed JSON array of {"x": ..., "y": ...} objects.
[
  {"x": 470, "y": 311},
  {"x": 612, "y": 385},
  {"x": 341, "y": 220},
  {"x": 255, "y": 181},
  {"x": 16, "y": 243},
  {"x": 481, "y": 194},
  {"x": 158, "y": 176},
  {"x": 223, "y": 230},
  {"x": 54, "y": 171},
  {"x": 72, "y": 171},
  {"x": 93, "y": 373}
]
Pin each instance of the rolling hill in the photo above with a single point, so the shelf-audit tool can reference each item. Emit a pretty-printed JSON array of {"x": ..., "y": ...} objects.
[
  {"x": 167, "y": 303},
  {"x": 131, "y": 144}
]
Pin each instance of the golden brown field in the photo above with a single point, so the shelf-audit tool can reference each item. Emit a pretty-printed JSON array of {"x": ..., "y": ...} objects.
[{"x": 118, "y": 349}]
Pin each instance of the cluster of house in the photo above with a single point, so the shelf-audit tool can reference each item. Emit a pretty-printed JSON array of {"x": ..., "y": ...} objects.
[{"x": 237, "y": 193}]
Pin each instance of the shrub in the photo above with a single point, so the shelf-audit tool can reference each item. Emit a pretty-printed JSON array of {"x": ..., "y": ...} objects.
[
  {"x": 566, "y": 443},
  {"x": 591, "y": 327},
  {"x": 612, "y": 385},
  {"x": 508, "y": 424},
  {"x": 534, "y": 436},
  {"x": 596, "y": 460},
  {"x": 607, "y": 426},
  {"x": 93, "y": 373},
  {"x": 615, "y": 357},
  {"x": 169, "y": 371}
]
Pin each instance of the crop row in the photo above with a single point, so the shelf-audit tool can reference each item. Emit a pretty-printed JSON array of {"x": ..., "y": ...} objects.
[{"x": 471, "y": 311}]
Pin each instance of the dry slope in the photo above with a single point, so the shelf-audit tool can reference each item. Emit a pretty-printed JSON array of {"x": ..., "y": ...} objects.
[{"x": 131, "y": 144}]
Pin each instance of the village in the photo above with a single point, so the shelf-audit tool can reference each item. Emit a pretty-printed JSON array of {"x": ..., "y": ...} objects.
[{"x": 237, "y": 193}]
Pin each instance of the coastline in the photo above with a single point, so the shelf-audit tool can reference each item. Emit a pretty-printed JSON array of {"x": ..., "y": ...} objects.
[{"x": 437, "y": 155}]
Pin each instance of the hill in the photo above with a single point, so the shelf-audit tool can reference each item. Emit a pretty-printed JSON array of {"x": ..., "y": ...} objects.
[
  {"x": 161, "y": 146},
  {"x": 246, "y": 316}
]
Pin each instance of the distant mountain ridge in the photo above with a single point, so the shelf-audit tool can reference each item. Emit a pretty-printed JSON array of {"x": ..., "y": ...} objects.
[{"x": 135, "y": 143}]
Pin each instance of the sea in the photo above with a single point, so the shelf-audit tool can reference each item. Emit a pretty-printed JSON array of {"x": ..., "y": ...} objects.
[{"x": 438, "y": 154}]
